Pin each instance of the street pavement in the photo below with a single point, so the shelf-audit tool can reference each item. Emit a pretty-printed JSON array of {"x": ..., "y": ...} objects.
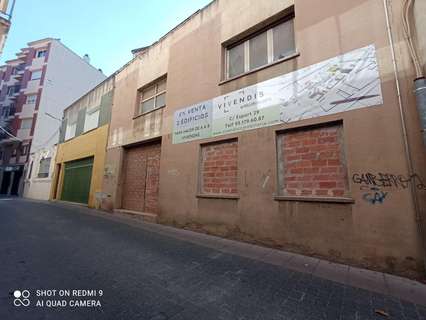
[{"x": 136, "y": 270}]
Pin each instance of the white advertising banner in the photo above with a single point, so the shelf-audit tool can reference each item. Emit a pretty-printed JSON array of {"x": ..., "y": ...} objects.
[
  {"x": 342, "y": 83},
  {"x": 193, "y": 123}
]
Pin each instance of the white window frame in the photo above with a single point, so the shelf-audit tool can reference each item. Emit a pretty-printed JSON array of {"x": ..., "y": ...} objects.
[
  {"x": 29, "y": 101},
  {"x": 270, "y": 51},
  {"x": 40, "y": 51},
  {"x": 27, "y": 120},
  {"x": 36, "y": 72},
  {"x": 156, "y": 94},
  {"x": 40, "y": 167}
]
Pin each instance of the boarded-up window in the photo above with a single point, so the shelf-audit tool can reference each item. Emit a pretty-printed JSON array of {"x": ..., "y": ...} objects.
[
  {"x": 312, "y": 162},
  {"x": 219, "y": 168}
]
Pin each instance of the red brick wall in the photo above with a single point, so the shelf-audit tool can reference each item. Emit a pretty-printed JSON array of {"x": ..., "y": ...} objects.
[
  {"x": 312, "y": 162},
  {"x": 219, "y": 168},
  {"x": 141, "y": 180}
]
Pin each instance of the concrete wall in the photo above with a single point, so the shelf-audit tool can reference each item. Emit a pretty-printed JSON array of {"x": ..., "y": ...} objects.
[
  {"x": 380, "y": 236},
  {"x": 90, "y": 144}
]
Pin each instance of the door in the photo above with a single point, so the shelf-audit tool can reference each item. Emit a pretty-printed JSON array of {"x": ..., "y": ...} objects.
[
  {"x": 16, "y": 182},
  {"x": 5, "y": 182},
  {"x": 77, "y": 179},
  {"x": 142, "y": 178}
]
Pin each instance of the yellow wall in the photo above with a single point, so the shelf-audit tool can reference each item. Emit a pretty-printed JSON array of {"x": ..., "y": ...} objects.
[{"x": 92, "y": 143}]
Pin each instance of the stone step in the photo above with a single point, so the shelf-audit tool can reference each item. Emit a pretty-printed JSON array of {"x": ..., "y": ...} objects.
[{"x": 144, "y": 216}]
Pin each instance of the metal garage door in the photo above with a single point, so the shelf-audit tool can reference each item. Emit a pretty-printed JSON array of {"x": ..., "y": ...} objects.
[
  {"x": 77, "y": 178},
  {"x": 141, "y": 178}
]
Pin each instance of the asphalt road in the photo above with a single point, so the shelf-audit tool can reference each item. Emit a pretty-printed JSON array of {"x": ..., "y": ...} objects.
[{"x": 134, "y": 273}]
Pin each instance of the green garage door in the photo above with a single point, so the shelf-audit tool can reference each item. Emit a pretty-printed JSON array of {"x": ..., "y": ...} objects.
[{"x": 77, "y": 177}]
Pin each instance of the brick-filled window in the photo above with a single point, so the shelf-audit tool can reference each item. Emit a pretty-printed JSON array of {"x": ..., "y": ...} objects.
[
  {"x": 312, "y": 162},
  {"x": 219, "y": 168}
]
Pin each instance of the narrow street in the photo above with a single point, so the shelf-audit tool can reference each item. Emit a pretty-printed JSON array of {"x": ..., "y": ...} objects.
[{"x": 157, "y": 274}]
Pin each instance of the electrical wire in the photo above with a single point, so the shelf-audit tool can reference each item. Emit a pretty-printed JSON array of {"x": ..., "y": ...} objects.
[
  {"x": 9, "y": 134},
  {"x": 42, "y": 145}
]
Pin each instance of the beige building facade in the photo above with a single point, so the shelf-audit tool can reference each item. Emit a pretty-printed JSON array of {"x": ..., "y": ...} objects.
[{"x": 279, "y": 124}]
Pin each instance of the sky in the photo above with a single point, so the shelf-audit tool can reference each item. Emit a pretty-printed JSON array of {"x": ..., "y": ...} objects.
[{"x": 106, "y": 30}]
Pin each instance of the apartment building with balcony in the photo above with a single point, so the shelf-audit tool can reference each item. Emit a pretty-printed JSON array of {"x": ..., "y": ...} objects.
[
  {"x": 45, "y": 77},
  {"x": 6, "y": 11}
]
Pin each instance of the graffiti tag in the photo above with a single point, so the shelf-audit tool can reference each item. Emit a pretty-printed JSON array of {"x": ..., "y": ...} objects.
[
  {"x": 388, "y": 180},
  {"x": 374, "y": 183},
  {"x": 375, "y": 196}
]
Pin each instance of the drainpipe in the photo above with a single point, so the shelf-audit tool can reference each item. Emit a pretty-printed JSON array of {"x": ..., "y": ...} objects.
[
  {"x": 420, "y": 90},
  {"x": 407, "y": 152},
  {"x": 419, "y": 82}
]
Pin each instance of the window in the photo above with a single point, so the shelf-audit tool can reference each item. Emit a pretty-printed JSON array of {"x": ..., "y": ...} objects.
[
  {"x": 41, "y": 53},
  {"x": 219, "y": 168},
  {"x": 31, "y": 170},
  {"x": 13, "y": 89},
  {"x": 31, "y": 99},
  {"x": 35, "y": 75},
  {"x": 24, "y": 150},
  {"x": 1, "y": 155},
  {"x": 26, "y": 123},
  {"x": 312, "y": 162},
  {"x": 152, "y": 97},
  {"x": 4, "y": 112},
  {"x": 71, "y": 117},
  {"x": 43, "y": 171},
  {"x": 261, "y": 49},
  {"x": 12, "y": 109}
]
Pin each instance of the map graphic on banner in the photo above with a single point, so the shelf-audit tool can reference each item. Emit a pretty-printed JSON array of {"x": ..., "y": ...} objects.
[{"x": 342, "y": 83}]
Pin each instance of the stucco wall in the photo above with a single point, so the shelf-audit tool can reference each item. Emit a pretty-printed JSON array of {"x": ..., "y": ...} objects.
[
  {"x": 90, "y": 144},
  {"x": 34, "y": 187},
  {"x": 381, "y": 236}
]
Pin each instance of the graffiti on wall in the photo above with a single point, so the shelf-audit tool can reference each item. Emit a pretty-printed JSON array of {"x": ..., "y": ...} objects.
[{"x": 375, "y": 185}]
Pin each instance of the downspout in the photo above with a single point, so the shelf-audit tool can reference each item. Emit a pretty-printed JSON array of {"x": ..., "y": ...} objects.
[
  {"x": 404, "y": 135},
  {"x": 419, "y": 82},
  {"x": 420, "y": 90}
]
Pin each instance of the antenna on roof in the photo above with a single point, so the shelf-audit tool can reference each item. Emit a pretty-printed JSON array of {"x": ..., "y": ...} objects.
[{"x": 86, "y": 58}]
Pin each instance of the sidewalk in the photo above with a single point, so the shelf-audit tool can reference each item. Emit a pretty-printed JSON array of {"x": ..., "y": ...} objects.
[{"x": 379, "y": 282}]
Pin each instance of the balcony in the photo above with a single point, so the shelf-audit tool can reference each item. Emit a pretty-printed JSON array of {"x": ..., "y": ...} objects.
[
  {"x": 27, "y": 111},
  {"x": 24, "y": 134},
  {"x": 13, "y": 91}
]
